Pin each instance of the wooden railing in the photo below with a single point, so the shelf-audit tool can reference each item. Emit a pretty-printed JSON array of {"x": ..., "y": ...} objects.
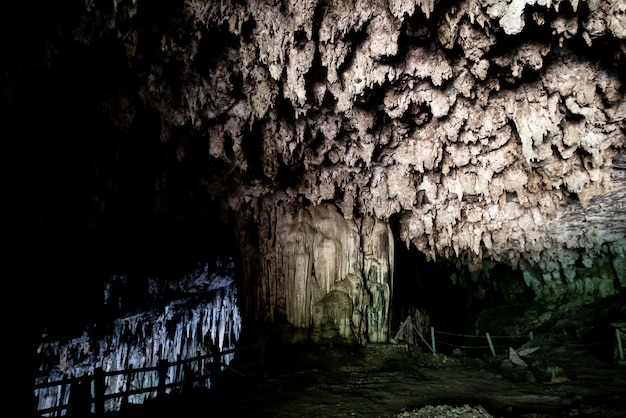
[{"x": 93, "y": 395}]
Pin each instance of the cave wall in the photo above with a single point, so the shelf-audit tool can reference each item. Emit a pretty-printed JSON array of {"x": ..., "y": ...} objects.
[{"x": 491, "y": 131}]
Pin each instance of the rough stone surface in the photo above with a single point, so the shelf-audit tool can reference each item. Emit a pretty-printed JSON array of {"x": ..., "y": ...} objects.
[{"x": 483, "y": 131}]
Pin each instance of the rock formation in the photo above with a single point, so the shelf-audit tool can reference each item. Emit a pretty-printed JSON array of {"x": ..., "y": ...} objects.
[
  {"x": 325, "y": 134},
  {"x": 199, "y": 320}
]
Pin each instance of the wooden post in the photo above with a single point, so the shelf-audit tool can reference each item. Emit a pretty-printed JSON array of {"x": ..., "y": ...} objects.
[
  {"x": 63, "y": 388},
  {"x": 620, "y": 349},
  {"x": 179, "y": 368},
  {"x": 400, "y": 330},
  {"x": 99, "y": 388},
  {"x": 80, "y": 397},
  {"x": 432, "y": 338},
  {"x": 493, "y": 351},
  {"x": 217, "y": 362},
  {"x": 162, "y": 367},
  {"x": 423, "y": 339},
  {"x": 129, "y": 379}
]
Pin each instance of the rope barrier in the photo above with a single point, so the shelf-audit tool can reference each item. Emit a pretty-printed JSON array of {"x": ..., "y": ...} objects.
[
  {"x": 478, "y": 336},
  {"x": 519, "y": 337},
  {"x": 471, "y": 346},
  {"x": 458, "y": 335},
  {"x": 506, "y": 346},
  {"x": 489, "y": 338},
  {"x": 462, "y": 346}
]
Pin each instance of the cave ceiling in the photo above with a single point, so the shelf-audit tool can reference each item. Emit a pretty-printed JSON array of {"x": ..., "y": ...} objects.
[{"x": 480, "y": 129}]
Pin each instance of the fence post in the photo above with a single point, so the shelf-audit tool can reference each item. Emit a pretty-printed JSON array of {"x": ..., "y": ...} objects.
[
  {"x": 620, "y": 349},
  {"x": 64, "y": 385},
  {"x": 432, "y": 339},
  {"x": 217, "y": 363},
  {"x": 129, "y": 380},
  {"x": 80, "y": 397},
  {"x": 493, "y": 351},
  {"x": 162, "y": 366},
  {"x": 98, "y": 388}
]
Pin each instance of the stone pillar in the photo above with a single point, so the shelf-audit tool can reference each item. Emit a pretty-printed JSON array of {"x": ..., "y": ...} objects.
[{"x": 329, "y": 278}]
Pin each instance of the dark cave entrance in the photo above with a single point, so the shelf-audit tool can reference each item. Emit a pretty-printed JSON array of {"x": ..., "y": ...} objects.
[
  {"x": 428, "y": 287},
  {"x": 451, "y": 298}
]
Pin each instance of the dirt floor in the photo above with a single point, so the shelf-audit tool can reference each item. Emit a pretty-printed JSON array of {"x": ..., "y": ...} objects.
[{"x": 540, "y": 379}]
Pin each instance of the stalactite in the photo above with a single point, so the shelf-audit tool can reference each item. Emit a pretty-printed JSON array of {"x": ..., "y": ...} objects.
[
  {"x": 488, "y": 128},
  {"x": 143, "y": 339}
]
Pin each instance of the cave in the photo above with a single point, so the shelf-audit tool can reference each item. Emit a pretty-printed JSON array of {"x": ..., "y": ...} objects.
[{"x": 381, "y": 208}]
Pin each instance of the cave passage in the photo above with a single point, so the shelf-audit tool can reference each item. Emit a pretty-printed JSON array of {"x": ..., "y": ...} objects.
[{"x": 452, "y": 299}]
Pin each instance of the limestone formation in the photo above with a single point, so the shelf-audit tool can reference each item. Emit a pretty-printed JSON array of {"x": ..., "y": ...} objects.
[{"x": 476, "y": 132}]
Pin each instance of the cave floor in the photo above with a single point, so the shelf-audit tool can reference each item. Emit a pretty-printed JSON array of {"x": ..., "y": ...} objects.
[{"x": 383, "y": 380}]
